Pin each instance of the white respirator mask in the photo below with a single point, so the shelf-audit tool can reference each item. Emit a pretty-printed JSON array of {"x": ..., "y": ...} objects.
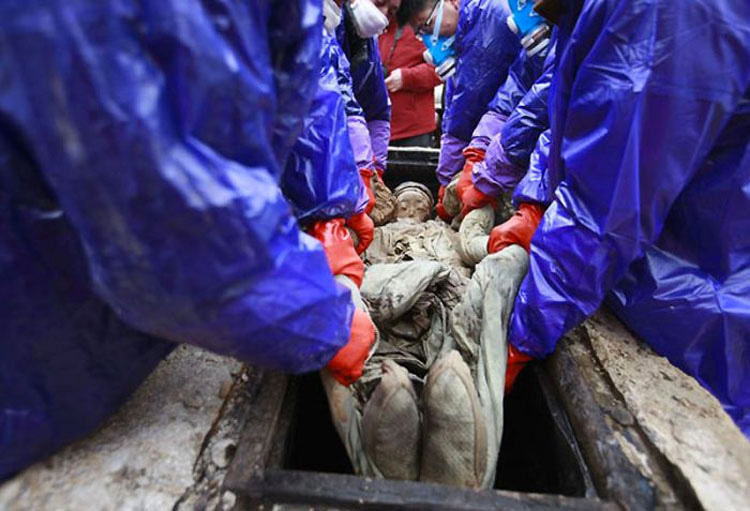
[
  {"x": 331, "y": 15},
  {"x": 367, "y": 19}
]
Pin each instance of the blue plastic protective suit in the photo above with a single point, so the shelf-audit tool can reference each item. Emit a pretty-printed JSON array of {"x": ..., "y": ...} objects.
[
  {"x": 371, "y": 134},
  {"x": 485, "y": 50},
  {"x": 650, "y": 142},
  {"x": 530, "y": 116},
  {"x": 521, "y": 76},
  {"x": 367, "y": 71},
  {"x": 139, "y": 204},
  {"x": 536, "y": 185},
  {"x": 321, "y": 180},
  {"x": 340, "y": 63}
]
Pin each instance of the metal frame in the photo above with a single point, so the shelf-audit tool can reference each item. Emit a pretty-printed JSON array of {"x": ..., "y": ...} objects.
[{"x": 256, "y": 478}]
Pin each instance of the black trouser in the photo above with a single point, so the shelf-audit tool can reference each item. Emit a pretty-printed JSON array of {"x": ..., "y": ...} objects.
[{"x": 415, "y": 141}]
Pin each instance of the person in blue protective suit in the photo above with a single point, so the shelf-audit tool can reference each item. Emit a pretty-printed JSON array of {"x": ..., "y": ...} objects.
[
  {"x": 644, "y": 200},
  {"x": 516, "y": 117},
  {"x": 484, "y": 49},
  {"x": 369, "y": 117},
  {"x": 325, "y": 191},
  {"x": 141, "y": 146}
]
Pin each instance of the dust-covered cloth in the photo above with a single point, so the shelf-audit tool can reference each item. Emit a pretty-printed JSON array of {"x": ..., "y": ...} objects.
[{"x": 429, "y": 405}]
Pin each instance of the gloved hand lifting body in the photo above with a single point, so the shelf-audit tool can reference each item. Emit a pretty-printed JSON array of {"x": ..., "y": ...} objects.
[
  {"x": 470, "y": 196},
  {"x": 450, "y": 163},
  {"x": 348, "y": 363},
  {"x": 517, "y": 230},
  {"x": 339, "y": 248},
  {"x": 367, "y": 174},
  {"x": 439, "y": 208},
  {"x": 363, "y": 225}
]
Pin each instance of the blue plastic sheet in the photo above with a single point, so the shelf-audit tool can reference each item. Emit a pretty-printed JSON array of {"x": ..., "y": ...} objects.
[
  {"x": 485, "y": 50},
  {"x": 321, "y": 179},
  {"x": 139, "y": 203},
  {"x": 650, "y": 139}
]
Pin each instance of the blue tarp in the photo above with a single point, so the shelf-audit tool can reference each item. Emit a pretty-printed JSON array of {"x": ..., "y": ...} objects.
[{"x": 141, "y": 144}]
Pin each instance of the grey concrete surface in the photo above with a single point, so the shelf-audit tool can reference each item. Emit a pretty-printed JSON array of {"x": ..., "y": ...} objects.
[{"x": 143, "y": 458}]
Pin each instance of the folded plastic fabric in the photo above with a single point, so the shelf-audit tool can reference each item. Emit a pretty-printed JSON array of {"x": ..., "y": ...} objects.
[
  {"x": 521, "y": 76},
  {"x": 140, "y": 205},
  {"x": 530, "y": 117},
  {"x": 489, "y": 125},
  {"x": 524, "y": 97},
  {"x": 451, "y": 159},
  {"x": 321, "y": 180},
  {"x": 380, "y": 136},
  {"x": 496, "y": 174},
  {"x": 360, "y": 139},
  {"x": 537, "y": 185},
  {"x": 296, "y": 45},
  {"x": 340, "y": 62},
  {"x": 652, "y": 152},
  {"x": 369, "y": 92}
]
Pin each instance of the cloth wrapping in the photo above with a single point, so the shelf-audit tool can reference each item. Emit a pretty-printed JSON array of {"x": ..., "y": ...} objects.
[{"x": 425, "y": 310}]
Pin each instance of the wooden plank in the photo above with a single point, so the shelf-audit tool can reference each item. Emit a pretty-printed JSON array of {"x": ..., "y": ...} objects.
[
  {"x": 623, "y": 467},
  {"x": 256, "y": 441},
  {"x": 701, "y": 451},
  {"x": 340, "y": 491}
]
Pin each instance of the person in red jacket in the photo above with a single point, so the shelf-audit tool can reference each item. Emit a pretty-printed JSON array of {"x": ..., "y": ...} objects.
[{"x": 411, "y": 83}]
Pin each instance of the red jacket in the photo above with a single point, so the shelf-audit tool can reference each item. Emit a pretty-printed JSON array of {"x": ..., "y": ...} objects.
[{"x": 413, "y": 106}]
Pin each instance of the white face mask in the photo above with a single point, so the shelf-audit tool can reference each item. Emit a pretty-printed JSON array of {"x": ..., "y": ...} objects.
[
  {"x": 331, "y": 15},
  {"x": 368, "y": 20}
]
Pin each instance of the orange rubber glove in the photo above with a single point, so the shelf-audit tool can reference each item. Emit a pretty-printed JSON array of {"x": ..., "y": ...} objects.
[
  {"x": 516, "y": 362},
  {"x": 474, "y": 198},
  {"x": 439, "y": 209},
  {"x": 339, "y": 247},
  {"x": 367, "y": 173},
  {"x": 363, "y": 225},
  {"x": 470, "y": 196},
  {"x": 517, "y": 230},
  {"x": 349, "y": 362},
  {"x": 380, "y": 173},
  {"x": 472, "y": 155}
]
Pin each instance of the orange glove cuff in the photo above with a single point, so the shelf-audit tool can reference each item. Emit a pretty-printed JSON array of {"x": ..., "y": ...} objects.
[
  {"x": 473, "y": 154},
  {"x": 367, "y": 174},
  {"x": 518, "y": 230},
  {"x": 339, "y": 248},
  {"x": 516, "y": 362},
  {"x": 363, "y": 225},
  {"x": 347, "y": 365}
]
